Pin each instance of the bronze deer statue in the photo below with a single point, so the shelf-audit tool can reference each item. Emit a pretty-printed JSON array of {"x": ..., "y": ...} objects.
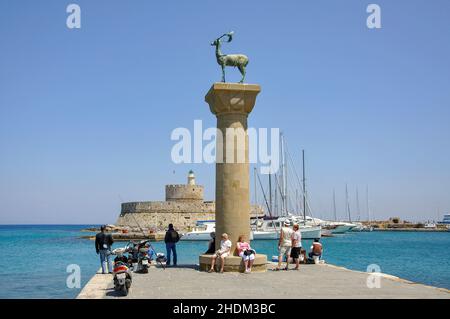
[{"x": 237, "y": 60}]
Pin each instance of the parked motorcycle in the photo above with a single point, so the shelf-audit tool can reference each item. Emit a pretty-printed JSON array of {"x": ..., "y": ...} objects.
[
  {"x": 140, "y": 256},
  {"x": 144, "y": 256},
  {"x": 122, "y": 274}
]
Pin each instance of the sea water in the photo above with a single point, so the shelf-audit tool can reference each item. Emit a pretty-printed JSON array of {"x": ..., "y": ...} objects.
[{"x": 35, "y": 258}]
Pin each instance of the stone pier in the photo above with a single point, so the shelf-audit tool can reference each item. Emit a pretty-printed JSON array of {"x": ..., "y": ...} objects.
[
  {"x": 312, "y": 281},
  {"x": 231, "y": 103}
]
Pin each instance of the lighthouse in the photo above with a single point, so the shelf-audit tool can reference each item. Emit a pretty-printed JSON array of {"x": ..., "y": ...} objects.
[{"x": 191, "y": 178}]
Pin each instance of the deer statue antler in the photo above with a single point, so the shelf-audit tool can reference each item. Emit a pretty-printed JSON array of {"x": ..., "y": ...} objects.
[{"x": 229, "y": 35}]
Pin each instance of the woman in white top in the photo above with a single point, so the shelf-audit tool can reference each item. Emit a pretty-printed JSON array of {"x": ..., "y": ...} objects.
[
  {"x": 222, "y": 253},
  {"x": 296, "y": 246}
]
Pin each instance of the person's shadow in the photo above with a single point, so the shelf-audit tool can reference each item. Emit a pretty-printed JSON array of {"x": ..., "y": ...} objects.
[
  {"x": 114, "y": 293},
  {"x": 187, "y": 266}
]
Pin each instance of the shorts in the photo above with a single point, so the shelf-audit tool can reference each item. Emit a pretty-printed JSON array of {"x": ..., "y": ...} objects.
[
  {"x": 248, "y": 257},
  {"x": 284, "y": 250},
  {"x": 224, "y": 255},
  {"x": 295, "y": 252}
]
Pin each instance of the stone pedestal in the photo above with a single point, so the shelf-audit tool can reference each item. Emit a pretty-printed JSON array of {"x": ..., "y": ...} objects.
[
  {"x": 232, "y": 103},
  {"x": 234, "y": 263}
]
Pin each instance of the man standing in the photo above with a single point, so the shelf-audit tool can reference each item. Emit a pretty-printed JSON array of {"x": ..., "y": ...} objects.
[
  {"x": 103, "y": 243},
  {"x": 284, "y": 244},
  {"x": 171, "y": 239}
]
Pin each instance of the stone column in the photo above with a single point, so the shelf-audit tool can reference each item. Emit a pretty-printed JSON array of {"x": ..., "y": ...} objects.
[{"x": 232, "y": 103}]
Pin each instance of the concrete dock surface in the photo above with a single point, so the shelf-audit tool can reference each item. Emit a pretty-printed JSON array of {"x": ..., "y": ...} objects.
[{"x": 311, "y": 281}]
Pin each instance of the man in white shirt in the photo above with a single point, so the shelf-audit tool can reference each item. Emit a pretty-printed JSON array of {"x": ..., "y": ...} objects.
[
  {"x": 284, "y": 245},
  {"x": 222, "y": 253}
]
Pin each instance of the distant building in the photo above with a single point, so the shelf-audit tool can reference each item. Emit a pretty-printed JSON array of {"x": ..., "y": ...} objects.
[
  {"x": 184, "y": 207},
  {"x": 445, "y": 220}
]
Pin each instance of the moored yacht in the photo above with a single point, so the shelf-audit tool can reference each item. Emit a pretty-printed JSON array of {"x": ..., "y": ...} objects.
[
  {"x": 200, "y": 232},
  {"x": 445, "y": 220},
  {"x": 334, "y": 226},
  {"x": 269, "y": 229}
]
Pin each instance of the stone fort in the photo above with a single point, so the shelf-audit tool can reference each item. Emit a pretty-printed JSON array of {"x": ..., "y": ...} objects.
[{"x": 184, "y": 207}]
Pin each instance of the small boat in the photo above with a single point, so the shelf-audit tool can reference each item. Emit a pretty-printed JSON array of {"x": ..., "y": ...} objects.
[
  {"x": 430, "y": 225},
  {"x": 342, "y": 227},
  {"x": 332, "y": 227},
  {"x": 263, "y": 235},
  {"x": 200, "y": 232}
]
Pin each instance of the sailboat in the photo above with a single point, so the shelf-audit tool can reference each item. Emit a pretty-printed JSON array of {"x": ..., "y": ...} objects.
[
  {"x": 360, "y": 226},
  {"x": 269, "y": 228}
]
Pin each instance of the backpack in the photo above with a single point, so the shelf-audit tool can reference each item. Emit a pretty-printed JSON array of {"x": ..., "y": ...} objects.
[{"x": 174, "y": 236}]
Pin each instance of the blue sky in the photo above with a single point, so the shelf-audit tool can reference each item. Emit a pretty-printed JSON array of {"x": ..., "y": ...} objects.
[{"x": 86, "y": 115}]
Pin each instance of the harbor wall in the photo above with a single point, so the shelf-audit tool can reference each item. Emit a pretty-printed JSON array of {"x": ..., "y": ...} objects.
[{"x": 156, "y": 215}]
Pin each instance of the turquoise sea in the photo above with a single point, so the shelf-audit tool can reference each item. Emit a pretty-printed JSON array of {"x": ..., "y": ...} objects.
[{"x": 35, "y": 257}]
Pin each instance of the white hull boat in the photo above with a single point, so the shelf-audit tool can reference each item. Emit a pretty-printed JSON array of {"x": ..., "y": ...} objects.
[
  {"x": 264, "y": 235},
  {"x": 342, "y": 228},
  {"x": 201, "y": 232},
  {"x": 269, "y": 229}
]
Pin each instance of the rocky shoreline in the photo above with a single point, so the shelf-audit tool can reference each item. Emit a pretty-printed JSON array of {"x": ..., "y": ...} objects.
[{"x": 125, "y": 233}]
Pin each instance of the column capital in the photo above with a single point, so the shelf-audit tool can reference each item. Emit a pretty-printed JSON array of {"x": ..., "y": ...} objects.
[{"x": 232, "y": 97}]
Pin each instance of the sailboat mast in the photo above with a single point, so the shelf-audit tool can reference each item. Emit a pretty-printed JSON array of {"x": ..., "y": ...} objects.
[
  {"x": 270, "y": 190},
  {"x": 304, "y": 186},
  {"x": 254, "y": 184},
  {"x": 276, "y": 198},
  {"x": 334, "y": 205},
  {"x": 256, "y": 194},
  {"x": 367, "y": 203},
  {"x": 264, "y": 196},
  {"x": 348, "y": 203},
  {"x": 357, "y": 206},
  {"x": 281, "y": 175},
  {"x": 285, "y": 178}
]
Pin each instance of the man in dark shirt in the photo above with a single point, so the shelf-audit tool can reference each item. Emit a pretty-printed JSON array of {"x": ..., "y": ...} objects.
[
  {"x": 103, "y": 243},
  {"x": 211, "y": 244},
  {"x": 171, "y": 239}
]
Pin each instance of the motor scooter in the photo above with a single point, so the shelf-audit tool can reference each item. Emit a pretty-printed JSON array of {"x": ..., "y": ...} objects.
[{"x": 122, "y": 274}]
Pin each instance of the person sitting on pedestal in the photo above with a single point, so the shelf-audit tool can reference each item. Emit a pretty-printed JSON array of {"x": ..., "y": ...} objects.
[
  {"x": 246, "y": 253},
  {"x": 222, "y": 253},
  {"x": 211, "y": 244}
]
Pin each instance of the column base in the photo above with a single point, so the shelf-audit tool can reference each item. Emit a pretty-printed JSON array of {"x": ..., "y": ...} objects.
[{"x": 233, "y": 263}]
